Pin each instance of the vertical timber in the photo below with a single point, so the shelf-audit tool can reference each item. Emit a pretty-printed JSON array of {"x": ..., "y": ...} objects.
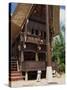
[{"x": 49, "y": 67}]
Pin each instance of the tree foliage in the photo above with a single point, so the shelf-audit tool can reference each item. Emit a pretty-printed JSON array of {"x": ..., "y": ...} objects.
[{"x": 58, "y": 53}]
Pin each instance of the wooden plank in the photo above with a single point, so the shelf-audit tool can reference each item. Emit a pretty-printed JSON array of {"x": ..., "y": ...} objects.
[
  {"x": 33, "y": 65},
  {"x": 56, "y": 20}
]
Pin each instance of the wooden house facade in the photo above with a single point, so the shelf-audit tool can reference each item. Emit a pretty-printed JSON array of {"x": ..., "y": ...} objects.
[{"x": 32, "y": 27}]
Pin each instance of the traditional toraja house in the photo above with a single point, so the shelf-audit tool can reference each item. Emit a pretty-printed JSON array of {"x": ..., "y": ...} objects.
[{"x": 32, "y": 27}]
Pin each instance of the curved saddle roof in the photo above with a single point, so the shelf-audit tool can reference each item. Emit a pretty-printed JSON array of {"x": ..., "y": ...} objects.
[
  {"x": 19, "y": 18},
  {"x": 22, "y": 12}
]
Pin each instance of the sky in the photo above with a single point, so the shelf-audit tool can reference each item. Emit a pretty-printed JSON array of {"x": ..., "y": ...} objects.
[
  {"x": 12, "y": 7},
  {"x": 62, "y": 15}
]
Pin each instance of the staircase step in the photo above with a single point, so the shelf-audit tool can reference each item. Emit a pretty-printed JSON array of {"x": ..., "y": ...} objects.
[
  {"x": 15, "y": 78},
  {"x": 13, "y": 60},
  {"x": 13, "y": 65},
  {"x": 13, "y": 75},
  {"x": 13, "y": 69},
  {"x": 16, "y": 74}
]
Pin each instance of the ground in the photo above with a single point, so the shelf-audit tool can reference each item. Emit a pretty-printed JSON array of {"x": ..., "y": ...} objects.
[{"x": 55, "y": 80}]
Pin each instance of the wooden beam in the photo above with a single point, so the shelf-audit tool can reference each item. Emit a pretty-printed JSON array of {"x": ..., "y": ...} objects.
[
  {"x": 38, "y": 21},
  {"x": 25, "y": 32},
  {"x": 48, "y": 38}
]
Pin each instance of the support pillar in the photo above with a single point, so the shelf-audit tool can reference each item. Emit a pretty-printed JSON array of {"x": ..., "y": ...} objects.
[
  {"x": 36, "y": 56},
  {"x": 49, "y": 74},
  {"x": 26, "y": 76},
  {"x": 25, "y": 33},
  {"x": 19, "y": 61},
  {"x": 22, "y": 59},
  {"x": 38, "y": 75},
  {"x": 18, "y": 69},
  {"x": 49, "y": 67},
  {"x": 22, "y": 56}
]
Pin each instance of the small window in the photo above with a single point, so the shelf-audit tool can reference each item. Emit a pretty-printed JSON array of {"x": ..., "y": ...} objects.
[
  {"x": 41, "y": 34},
  {"x": 44, "y": 35},
  {"x": 32, "y": 31},
  {"x": 36, "y": 32}
]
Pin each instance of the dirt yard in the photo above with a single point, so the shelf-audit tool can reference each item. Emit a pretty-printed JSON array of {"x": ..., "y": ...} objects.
[{"x": 55, "y": 80}]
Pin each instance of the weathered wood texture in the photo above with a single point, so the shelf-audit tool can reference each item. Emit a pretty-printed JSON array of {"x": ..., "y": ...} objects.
[
  {"x": 23, "y": 12},
  {"x": 18, "y": 19},
  {"x": 56, "y": 19},
  {"x": 33, "y": 65}
]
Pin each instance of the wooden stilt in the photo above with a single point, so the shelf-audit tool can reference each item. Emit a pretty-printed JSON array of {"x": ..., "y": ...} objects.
[
  {"x": 36, "y": 56},
  {"x": 25, "y": 33},
  {"x": 38, "y": 75},
  {"x": 22, "y": 56},
  {"x": 26, "y": 76},
  {"x": 49, "y": 67}
]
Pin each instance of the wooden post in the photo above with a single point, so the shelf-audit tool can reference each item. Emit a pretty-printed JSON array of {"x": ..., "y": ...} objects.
[
  {"x": 49, "y": 67},
  {"x": 25, "y": 33},
  {"x": 26, "y": 76},
  {"x": 19, "y": 48},
  {"x": 36, "y": 56},
  {"x": 38, "y": 75},
  {"x": 22, "y": 56}
]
